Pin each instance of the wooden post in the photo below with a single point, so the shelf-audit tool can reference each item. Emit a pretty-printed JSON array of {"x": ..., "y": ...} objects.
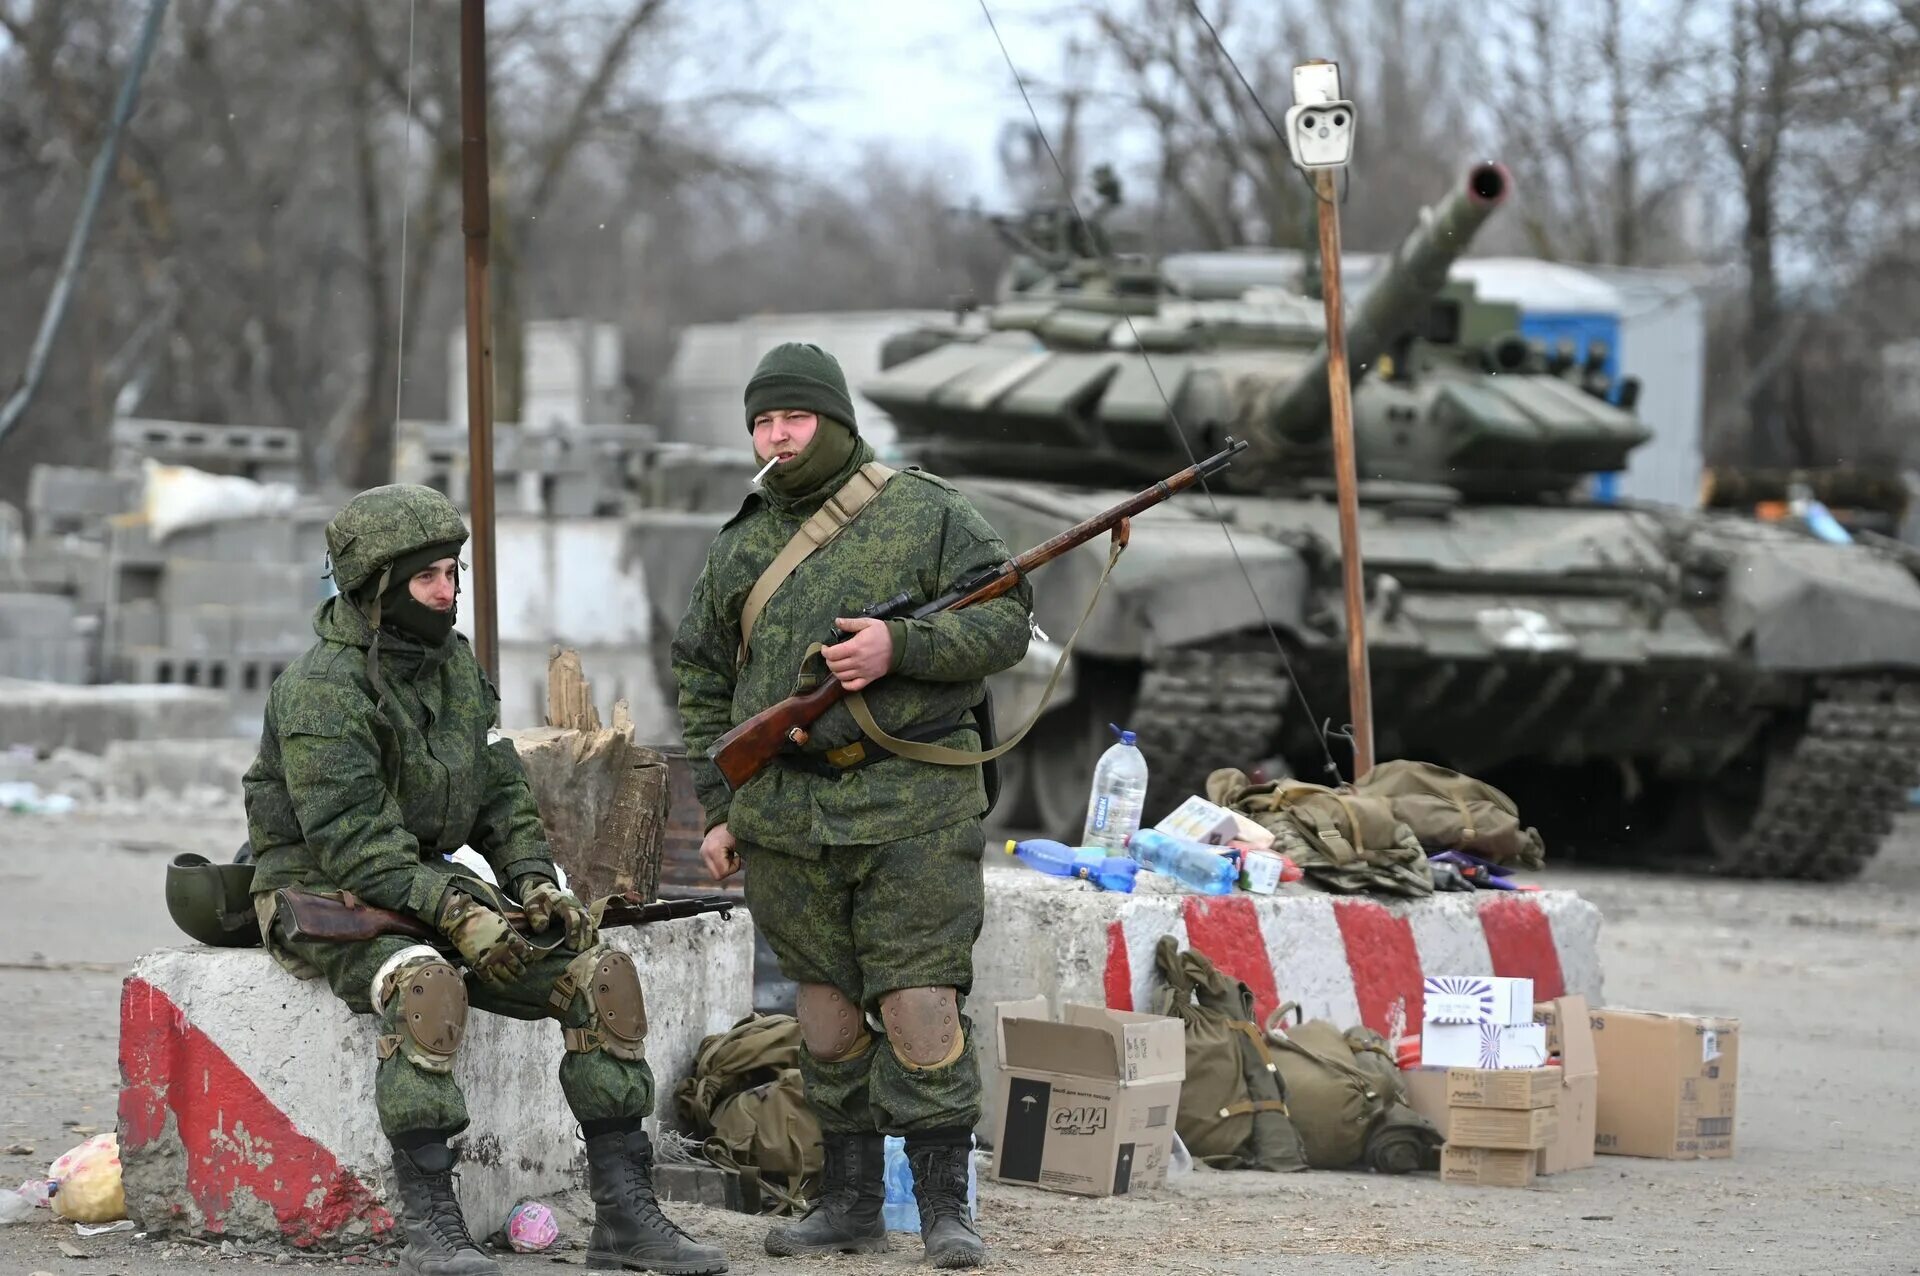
[
  {"x": 1346, "y": 480},
  {"x": 476, "y": 224}
]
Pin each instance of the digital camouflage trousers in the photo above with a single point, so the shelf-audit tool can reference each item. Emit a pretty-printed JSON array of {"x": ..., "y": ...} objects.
[
  {"x": 869, "y": 920},
  {"x": 413, "y": 1101}
]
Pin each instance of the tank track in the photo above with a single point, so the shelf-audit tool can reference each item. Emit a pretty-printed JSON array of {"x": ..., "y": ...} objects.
[
  {"x": 1828, "y": 804},
  {"x": 1202, "y": 710}
]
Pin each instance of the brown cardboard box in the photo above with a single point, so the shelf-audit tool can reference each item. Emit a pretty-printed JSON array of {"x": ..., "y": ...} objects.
[
  {"x": 1570, "y": 1036},
  {"x": 1503, "y": 1087},
  {"x": 1486, "y": 1167},
  {"x": 1427, "y": 1094},
  {"x": 1518, "y": 1129},
  {"x": 1087, "y": 1105},
  {"x": 1667, "y": 1084}
]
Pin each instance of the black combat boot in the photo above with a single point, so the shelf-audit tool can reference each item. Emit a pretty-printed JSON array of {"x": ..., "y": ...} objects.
[
  {"x": 939, "y": 1161},
  {"x": 846, "y": 1217},
  {"x": 628, "y": 1228},
  {"x": 437, "y": 1240}
]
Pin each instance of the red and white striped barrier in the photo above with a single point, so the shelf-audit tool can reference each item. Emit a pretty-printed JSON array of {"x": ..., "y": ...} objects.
[
  {"x": 1352, "y": 960},
  {"x": 246, "y": 1102}
]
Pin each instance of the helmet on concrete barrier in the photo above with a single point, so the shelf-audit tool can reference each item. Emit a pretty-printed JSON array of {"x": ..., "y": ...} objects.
[
  {"x": 213, "y": 902},
  {"x": 383, "y": 524}
]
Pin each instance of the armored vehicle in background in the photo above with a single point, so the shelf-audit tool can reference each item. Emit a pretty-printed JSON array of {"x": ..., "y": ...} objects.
[{"x": 1645, "y": 680}]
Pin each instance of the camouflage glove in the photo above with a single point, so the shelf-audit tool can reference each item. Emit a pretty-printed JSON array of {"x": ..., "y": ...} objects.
[
  {"x": 544, "y": 902},
  {"x": 491, "y": 947}
]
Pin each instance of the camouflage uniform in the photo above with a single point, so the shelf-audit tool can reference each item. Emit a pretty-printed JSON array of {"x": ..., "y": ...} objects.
[
  {"x": 374, "y": 764},
  {"x": 348, "y": 795},
  {"x": 866, "y": 882}
]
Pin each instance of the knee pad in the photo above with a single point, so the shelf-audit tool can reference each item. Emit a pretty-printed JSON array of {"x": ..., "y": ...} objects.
[
  {"x": 832, "y": 1027},
  {"x": 923, "y": 1027},
  {"x": 428, "y": 1001},
  {"x": 616, "y": 1008}
]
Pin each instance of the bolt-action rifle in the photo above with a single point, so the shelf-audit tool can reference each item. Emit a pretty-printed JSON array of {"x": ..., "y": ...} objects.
[
  {"x": 741, "y": 753},
  {"x": 346, "y": 920}
]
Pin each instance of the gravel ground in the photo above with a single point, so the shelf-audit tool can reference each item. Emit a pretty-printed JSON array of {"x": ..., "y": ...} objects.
[{"x": 1825, "y": 980}]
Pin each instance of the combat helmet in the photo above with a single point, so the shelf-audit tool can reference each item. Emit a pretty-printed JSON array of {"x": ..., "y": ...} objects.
[
  {"x": 385, "y": 523},
  {"x": 213, "y": 902}
]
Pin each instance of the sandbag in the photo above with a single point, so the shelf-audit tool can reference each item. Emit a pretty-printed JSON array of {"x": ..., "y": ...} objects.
[
  {"x": 1344, "y": 842},
  {"x": 1233, "y": 1109},
  {"x": 1449, "y": 811},
  {"x": 746, "y": 1098}
]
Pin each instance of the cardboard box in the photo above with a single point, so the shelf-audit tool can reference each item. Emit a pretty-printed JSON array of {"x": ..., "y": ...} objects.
[
  {"x": 1486, "y": 1167},
  {"x": 1503, "y": 1087},
  {"x": 1570, "y": 1036},
  {"x": 1477, "y": 999},
  {"x": 1087, "y": 1106},
  {"x": 1667, "y": 1084},
  {"x": 1427, "y": 1094},
  {"x": 1260, "y": 872},
  {"x": 1199, "y": 820},
  {"x": 1483, "y": 1045},
  {"x": 1521, "y": 1130}
]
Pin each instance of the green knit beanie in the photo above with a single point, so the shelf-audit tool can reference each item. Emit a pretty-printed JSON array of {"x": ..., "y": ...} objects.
[{"x": 800, "y": 376}]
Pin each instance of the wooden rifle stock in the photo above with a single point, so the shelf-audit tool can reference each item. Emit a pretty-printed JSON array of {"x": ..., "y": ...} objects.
[
  {"x": 745, "y": 751},
  {"x": 345, "y": 920}
]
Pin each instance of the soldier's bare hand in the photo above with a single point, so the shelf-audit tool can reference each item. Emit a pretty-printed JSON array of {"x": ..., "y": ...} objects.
[
  {"x": 862, "y": 658},
  {"x": 718, "y": 854}
]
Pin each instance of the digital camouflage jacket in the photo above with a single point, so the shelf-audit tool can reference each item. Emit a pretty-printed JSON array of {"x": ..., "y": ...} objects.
[
  {"x": 920, "y": 536},
  {"x": 349, "y": 795}
]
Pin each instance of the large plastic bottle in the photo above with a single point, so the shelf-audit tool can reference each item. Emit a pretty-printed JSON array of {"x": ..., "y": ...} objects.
[
  {"x": 1089, "y": 863},
  {"x": 1203, "y": 868},
  {"x": 1119, "y": 793}
]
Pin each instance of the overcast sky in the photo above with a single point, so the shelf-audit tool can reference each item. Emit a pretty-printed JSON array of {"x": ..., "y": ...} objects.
[{"x": 926, "y": 74}]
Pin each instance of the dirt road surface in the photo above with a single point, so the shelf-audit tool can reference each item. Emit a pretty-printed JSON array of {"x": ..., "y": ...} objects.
[{"x": 1826, "y": 981}]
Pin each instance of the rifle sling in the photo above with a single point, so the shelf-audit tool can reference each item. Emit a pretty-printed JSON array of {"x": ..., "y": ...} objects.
[
  {"x": 817, "y": 532},
  {"x": 940, "y": 755}
]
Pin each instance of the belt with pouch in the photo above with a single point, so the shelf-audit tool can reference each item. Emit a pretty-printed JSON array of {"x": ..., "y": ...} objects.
[{"x": 864, "y": 752}]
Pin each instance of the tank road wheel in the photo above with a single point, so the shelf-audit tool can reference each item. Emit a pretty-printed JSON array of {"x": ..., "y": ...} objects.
[
  {"x": 1813, "y": 799},
  {"x": 1199, "y": 711}
]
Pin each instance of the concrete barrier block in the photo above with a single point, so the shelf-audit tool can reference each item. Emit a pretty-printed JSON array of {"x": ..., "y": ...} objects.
[
  {"x": 246, "y": 1103},
  {"x": 1353, "y": 960},
  {"x": 48, "y": 715}
]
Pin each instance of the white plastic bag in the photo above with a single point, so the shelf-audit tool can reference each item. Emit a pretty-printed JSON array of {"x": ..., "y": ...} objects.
[{"x": 180, "y": 496}]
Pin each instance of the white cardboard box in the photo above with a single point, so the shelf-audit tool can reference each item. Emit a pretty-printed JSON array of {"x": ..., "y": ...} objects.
[
  {"x": 1477, "y": 999},
  {"x": 1199, "y": 820},
  {"x": 1483, "y": 1045}
]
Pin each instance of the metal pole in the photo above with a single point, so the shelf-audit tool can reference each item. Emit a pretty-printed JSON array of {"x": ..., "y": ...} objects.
[
  {"x": 1340, "y": 387},
  {"x": 476, "y": 224},
  {"x": 103, "y": 162}
]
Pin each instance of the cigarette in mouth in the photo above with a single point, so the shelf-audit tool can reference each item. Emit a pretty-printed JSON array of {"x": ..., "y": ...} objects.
[{"x": 755, "y": 481}]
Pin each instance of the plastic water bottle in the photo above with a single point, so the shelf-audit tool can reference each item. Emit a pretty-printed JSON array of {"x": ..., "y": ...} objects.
[
  {"x": 1089, "y": 863},
  {"x": 900, "y": 1211},
  {"x": 1119, "y": 792},
  {"x": 1193, "y": 864}
]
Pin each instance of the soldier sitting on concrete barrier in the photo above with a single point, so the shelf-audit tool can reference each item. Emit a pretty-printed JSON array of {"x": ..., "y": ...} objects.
[
  {"x": 373, "y": 765},
  {"x": 863, "y": 862}
]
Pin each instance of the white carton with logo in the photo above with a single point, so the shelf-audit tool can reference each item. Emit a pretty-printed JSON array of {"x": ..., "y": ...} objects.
[{"x": 1087, "y": 1105}]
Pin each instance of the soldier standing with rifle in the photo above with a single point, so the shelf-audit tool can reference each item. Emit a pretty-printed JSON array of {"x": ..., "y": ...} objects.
[
  {"x": 863, "y": 861},
  {"x": 373, "y": 764}
]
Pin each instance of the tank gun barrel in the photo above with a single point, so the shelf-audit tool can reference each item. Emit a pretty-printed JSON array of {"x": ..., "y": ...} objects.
[{"x": 1396, "y": 301}]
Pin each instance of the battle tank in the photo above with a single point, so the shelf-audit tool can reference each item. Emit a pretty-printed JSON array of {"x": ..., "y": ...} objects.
[{"x": 1648, "y": 681}]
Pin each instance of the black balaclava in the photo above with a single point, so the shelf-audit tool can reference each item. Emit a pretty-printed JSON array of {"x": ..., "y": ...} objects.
[{"x": 401, "y": 612}]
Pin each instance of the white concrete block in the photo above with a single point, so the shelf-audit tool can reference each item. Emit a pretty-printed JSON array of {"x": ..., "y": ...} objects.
[
  {"x": 50, "y": 715},
  {"x": 1348, "y": 959},
  {"x": 246, "y": 1108}
]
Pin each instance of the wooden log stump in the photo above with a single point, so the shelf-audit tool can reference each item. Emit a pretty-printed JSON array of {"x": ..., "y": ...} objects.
[{"x": 602, "y": 796}]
